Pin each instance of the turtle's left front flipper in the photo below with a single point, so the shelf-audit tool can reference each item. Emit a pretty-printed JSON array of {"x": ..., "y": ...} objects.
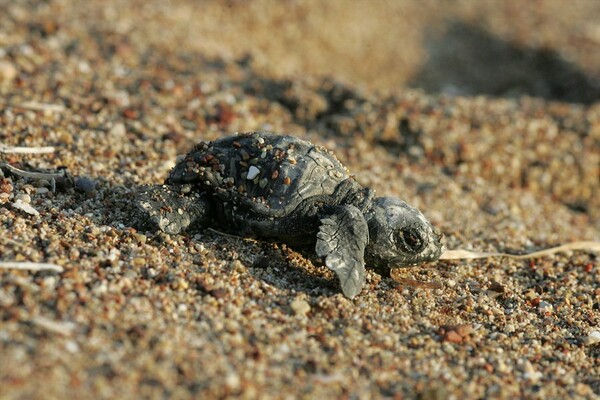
[
  {"x": 341, "y": 241},
  {"x": 170, "y": 208}
]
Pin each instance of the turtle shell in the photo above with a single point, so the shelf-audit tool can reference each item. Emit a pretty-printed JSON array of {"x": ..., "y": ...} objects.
[{"x": 266, "y": 173}]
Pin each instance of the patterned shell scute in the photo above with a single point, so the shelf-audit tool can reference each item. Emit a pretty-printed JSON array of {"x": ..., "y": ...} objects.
[{"x": 270, "y": 174}]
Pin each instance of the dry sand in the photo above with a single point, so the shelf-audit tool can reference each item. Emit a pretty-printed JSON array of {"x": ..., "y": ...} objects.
[{"x": 502, "y": 154}]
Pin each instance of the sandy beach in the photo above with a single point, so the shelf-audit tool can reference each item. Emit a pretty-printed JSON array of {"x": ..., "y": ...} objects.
[{"x": 484, "y": 115}]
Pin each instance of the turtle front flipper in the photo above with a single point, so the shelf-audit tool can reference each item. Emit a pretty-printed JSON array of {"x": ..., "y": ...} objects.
[
  {"x": 171, "y": 208},
  {"x": 341, "y": 242}
]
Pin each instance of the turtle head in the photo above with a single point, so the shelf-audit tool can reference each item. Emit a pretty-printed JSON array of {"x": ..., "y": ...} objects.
[{"x": 399, "y": 235}]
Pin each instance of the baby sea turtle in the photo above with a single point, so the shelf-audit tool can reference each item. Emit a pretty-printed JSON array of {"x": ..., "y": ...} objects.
[{"x": 287, "y": 190}]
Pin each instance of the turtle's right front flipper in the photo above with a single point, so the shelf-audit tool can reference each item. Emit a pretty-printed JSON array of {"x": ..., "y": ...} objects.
[
  {"x": 170, "y": 208},
  {"x": 341, "y": 242}
]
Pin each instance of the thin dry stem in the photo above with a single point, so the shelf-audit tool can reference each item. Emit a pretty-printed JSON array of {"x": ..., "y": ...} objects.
[
  {"x": 52, "y": 177},
  {"x": 460, "y": 254},
  {"x": 26, "y": 150},
  {"x": 29, "y": 174},
  {"x": 35, "y": 106},
  {"x": 64, "y": 328},
  {"x": 30, "y": 266}
]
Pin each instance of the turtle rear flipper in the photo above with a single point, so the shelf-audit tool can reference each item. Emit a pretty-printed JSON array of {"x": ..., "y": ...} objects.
[
  {"x": 170, "y": 209},
  {"x": 341, "y": 242}
]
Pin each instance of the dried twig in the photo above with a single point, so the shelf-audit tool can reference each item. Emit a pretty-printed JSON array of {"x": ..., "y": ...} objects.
[
  {"x": 26, "y": 150},
  {"x": 11, "y": 241},
  {"x": 461, "y": 254},
  {"x": 35, "y": 106},
  {"x": 234, "y": 237},
  {"x": 64, "y": 328},
  {"x": 30, "y": 266},
  {"x": 29, "y": 174},
  {"x": 52, "y": 177},
  {"x": 466, "y": 254}
]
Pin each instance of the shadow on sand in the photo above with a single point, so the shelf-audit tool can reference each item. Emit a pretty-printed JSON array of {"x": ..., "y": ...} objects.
[{"x": 468, "y": 60}]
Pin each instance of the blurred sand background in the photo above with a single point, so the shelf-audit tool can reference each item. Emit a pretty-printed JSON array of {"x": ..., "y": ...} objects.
[
  {"x": 477, "y": 47},
  {"x": 542, "y": 48}
]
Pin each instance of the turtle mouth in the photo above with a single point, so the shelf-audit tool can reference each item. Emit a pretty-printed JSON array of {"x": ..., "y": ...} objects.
[
  {"x": 393, "y": 265},
  {"x": 403, "y": 262},
  {"x": 412, "y": 261}
]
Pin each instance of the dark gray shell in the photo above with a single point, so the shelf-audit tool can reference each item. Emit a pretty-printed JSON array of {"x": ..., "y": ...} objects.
[{"x": 266, "y": 173}]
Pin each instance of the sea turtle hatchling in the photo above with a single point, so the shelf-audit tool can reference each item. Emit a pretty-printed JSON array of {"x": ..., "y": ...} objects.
[{"x": 287, "y": 190}]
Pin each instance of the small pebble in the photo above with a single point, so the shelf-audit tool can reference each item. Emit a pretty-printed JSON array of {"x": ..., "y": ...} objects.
[
  {"x": 85, "y": 185},
  {"x": 496, "y": 289},
  {"x": 300, "y": 307},
  {"x": 138, "y": 262},
  {"x": 452, "y": 337},
  {"x": 455, "y": 333},
  {"x": 25, "y": 198},
  {"x": 182, "y": 308},
  {"x": 140, "y": 238},
  {"x": 180, "y": 284},
  {"x": 592, "y": 338},
  {"x": 5, "y": 185},
  {"x": 8, "y": 71},
  {"x": 252, "y": 172},
  {"x": 71, "y": 346},
  {"x": 218, "y": 293},
  {"x": 232, "y": 381},
  {"x": 545, "y": 307},
  {"x": 530, "y": 373},
  {"x": 20, "y": 205}
]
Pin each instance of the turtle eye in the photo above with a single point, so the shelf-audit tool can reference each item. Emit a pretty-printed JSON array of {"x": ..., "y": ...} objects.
[{"x": 410, "y": 240}]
